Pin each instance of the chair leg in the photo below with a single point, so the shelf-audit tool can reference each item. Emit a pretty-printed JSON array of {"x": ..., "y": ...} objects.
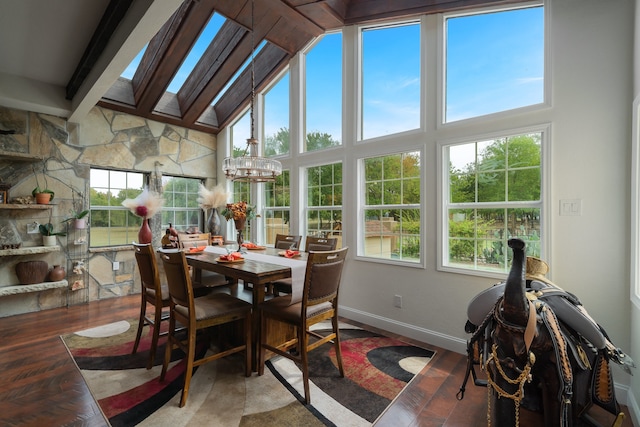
[
  {"x": 336, "y": 342},
  {"x": 157, "y": 319},
  {"x": 261, "y": 349},
  {"x": 248, "y": 344},
  {"x": 191, "y": 351},
  {"x": 169, "y": 348},
  {"x": 303, "y": 340},
  {"x": 141, "y": 323}
]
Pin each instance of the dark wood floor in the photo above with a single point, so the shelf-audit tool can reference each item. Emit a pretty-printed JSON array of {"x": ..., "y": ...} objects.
[{"x": 41, "y": 385}]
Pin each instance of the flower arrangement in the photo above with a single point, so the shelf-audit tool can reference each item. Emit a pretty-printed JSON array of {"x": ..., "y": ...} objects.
[
  {"x": 238, "y": 210},
  {"x": 214, "y": 198},
  {"x": 145, "y": 205}
]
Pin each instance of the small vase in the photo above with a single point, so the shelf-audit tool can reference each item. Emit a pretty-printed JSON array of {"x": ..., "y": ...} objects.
[
  {"x": 213, "y": 223},
  {"x": 80, "y": 223},
  {"x": 239, "y": 223},
  {"x": 144, "y": 235},
  {"x": 57, "y": 273}
]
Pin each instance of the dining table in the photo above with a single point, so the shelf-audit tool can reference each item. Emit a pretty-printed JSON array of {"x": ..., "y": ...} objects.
[{"x": 258, "y": 267}]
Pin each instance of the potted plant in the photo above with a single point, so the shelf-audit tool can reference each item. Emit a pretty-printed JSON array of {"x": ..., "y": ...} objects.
[
  {"x": 42, "y": 196},
  {"x": 48, "y": 235},
  {"x": 78, "y": 218}
]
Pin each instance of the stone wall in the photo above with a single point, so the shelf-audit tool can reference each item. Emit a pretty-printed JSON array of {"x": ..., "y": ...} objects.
[{"x": 105, "y": 139}]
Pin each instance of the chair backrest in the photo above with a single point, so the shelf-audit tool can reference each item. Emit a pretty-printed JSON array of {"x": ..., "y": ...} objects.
[
  {"x": 148, "y": 267},
  {"x": 322, "y": 277},
  {"x": 320, "y": 244},
  {"x": 284, "y": 241},
  {"x": 178, "y": 278},
  {"x": 194, "y": 240}
]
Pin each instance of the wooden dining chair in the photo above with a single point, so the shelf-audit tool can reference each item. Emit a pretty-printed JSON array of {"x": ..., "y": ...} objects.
[
  {"x": 193, "y": 240},
  {"x": 197, "y": 314},
  {"x": 153, "y": 293},
  {"x": 207, "y": 278},
  {"x": 284, "y": 241},
  {"x": 319, "y": 302},
  {"x": 312, "y": 243}
]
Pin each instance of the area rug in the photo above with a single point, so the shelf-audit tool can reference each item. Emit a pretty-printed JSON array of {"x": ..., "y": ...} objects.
[{"x": 377, "y": 368}]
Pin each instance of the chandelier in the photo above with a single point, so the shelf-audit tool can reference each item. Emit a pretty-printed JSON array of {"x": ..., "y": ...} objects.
[{"x": 250, "y": 167}]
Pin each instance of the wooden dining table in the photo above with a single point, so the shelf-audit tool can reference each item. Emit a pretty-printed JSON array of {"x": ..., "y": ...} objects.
[{"x": 259, "y": 268}]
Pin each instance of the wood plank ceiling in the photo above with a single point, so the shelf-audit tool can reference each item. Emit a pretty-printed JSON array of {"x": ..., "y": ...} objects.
[{"x": 286, "y": 25}]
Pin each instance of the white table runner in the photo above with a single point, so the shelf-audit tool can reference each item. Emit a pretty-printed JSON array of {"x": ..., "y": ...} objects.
[{"x": 298, "y": 267}]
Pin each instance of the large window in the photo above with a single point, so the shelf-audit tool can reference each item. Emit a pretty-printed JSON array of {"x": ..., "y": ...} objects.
[
  {"x": 391, "y": 215},
  {"x": 276, "y": 207},
  {"x": 324, "y": 201},
  {"x": 493, "y": 193},
  {"x": 390, "y": 79},
  {"x": 181, "y": 208},
  {"x": 276, "y": 118},
  {"x": 494, "y": 62},
  {"x": 323, "y": 94},
  {"x": 111, "y": 223}
]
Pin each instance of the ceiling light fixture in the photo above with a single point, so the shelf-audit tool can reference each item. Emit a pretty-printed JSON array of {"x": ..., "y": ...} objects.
[{"x": 250, "y": 167}]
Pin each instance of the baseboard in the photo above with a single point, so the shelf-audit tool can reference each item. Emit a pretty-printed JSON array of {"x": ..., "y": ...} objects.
[
  {"x": 410, "y": 331},
  {"x": 623, "y": 393}
]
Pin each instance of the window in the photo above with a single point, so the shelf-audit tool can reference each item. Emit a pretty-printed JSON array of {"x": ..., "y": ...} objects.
[
  {"x": 493, "y": 193},
  {"x": 494, "y": 62},
  {"x": 276, "y": 118},
  {"x": 390, "y": 80},
  {"x": 111, "y": 223},
  {"x": 276, "y": 207},
  {"x": 323, "y": 102},
  {"x": 324, "y": 201},
  {"x": 392, "y": 207},
  {"x": 181, "y": 208}
]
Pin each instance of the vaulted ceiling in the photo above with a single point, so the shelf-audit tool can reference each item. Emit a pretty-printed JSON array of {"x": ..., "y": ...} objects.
[{"x": 110, "y": 33}]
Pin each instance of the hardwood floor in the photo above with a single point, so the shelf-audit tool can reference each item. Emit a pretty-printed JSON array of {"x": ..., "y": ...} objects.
[{"x": 41, "y": 385}]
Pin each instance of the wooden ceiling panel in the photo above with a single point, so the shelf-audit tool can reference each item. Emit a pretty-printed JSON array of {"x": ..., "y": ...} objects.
[{"x": 288, "y": 26}]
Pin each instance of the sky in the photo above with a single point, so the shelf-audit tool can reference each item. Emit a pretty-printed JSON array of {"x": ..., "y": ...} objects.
[{"x": 494, "y": 62}]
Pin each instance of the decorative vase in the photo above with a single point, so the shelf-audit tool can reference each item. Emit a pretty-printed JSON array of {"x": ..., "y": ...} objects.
[
  {"x": 239, "y": 223},
  {"x": 49, "y": 240},
  {"x": 145, "y": 235},
  {"x": 80, "y": 223},
  {"x": 213, "y": 223},
  {"x": 57, "y": 273},
  {"x": 31, "y": 272}
]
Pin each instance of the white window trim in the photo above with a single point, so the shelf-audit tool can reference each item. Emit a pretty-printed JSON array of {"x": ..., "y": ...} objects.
[
  {"x": 634, "y": 273},
  {"x": 545, "y": 199},
  {"x": 360, "y": 204}
]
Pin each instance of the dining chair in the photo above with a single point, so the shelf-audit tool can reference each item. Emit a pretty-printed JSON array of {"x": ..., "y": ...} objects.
[
  {"x": 197, "y": 314},
  {"x": 312, "y": 243},
  {"x": 207, "y": 278},
  {"x": 284, "y": 241},
  {"x": 153, "y": 293},
  {"x": 319, "y": 302}
]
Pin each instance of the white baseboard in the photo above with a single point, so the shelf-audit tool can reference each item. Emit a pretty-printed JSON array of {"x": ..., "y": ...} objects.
[{"x": 623, "y": 393}]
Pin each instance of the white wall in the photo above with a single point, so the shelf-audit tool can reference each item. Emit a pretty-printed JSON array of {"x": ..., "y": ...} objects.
[{"x": 591, "y": 46}]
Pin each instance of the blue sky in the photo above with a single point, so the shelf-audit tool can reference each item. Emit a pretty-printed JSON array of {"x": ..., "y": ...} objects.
[{"x": 494, "y": 63}]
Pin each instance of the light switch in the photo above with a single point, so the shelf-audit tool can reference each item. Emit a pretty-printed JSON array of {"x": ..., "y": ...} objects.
[{"x": 571, "y": 207}]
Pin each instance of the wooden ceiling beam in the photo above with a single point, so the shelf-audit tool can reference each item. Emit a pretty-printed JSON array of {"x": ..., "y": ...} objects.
[
  {"x": 167, "y": 50},
  {"x": 269, "y": 61}
]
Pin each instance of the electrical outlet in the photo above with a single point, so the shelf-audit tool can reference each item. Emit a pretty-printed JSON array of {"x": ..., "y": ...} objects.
[
  {"x": 397, "y": 301},
  {"x": 116, "y": 265}
]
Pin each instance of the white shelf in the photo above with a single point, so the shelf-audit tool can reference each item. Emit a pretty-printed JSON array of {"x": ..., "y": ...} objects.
[
  {"x": 29, "y": 250},
  {"x": 36, "y": 287}
]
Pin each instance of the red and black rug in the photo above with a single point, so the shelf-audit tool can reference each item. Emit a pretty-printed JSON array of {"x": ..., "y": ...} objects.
[{"x": 377, "y": 368}]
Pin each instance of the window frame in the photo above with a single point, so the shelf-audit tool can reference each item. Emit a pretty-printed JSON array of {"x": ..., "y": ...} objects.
[
  {"x": 362, "y": 206},
  {"x": 165, "y": 208},
  {"x": 111, "y": 208},
  {"x": 444, "y": 205}
]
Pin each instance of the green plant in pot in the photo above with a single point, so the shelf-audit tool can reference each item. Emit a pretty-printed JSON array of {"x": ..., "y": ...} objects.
[
  {"x": 48, "y": 235},
  {"x": 42, "y": 196},
  {"x": 78, "y": 218}
]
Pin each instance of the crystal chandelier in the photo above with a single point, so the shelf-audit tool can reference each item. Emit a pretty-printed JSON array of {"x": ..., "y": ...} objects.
[{"x": 250, "y": 167}]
